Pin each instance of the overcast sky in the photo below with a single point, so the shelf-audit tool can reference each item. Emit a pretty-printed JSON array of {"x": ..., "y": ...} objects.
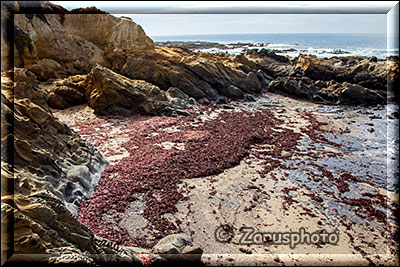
[{"x": 185, "y": 17}]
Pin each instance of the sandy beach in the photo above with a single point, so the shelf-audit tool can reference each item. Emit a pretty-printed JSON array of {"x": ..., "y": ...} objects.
[{"x": 307, "y": 188}]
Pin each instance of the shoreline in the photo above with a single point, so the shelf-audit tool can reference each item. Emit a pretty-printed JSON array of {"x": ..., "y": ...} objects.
[{"x": 235, "y": 48}]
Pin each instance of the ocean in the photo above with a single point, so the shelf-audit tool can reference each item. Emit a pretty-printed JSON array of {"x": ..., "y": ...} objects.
[{"x": 319, "y": 44}]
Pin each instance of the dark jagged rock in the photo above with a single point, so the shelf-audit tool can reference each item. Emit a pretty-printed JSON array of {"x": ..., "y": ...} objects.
[
  {"x": 298, "y": 87},
  {"x": 233, "y": 92},
  {"x": 266, "y": 53},
  {"x": 357, "y": 70},
  {"x": 351, "y": 94}
]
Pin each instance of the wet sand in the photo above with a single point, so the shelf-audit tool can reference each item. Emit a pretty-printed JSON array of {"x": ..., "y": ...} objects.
[{"x": 342, "y": 189}]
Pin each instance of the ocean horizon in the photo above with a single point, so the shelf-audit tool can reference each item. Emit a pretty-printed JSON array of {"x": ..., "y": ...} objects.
[{"x": 379, "y": 45}]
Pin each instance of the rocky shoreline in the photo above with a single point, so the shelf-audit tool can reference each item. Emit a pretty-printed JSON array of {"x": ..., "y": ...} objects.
[
  {"x": 116, "y": 149},
  {"x": 239, "y": 47}
]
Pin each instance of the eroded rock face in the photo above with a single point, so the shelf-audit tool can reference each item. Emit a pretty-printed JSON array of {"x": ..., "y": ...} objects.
[
  {"x": 69, "y": 167},
  {"x": 42, "y": 225},
  {"x": 46, "y": 171},
  {"x": 74, "y": 41}
]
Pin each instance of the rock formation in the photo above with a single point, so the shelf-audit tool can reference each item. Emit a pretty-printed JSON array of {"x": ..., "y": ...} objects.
[
  {"x": 48, "y": 169},
  {"x": 63, "y": 60},
  {"x": 111, "y": 93},
  {"x": 52, "y": 45},
  {"x": 55, "y": 46},
  {"x": 324, "y": 80}
]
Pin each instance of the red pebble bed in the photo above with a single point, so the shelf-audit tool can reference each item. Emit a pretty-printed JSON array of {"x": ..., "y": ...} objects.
[{"x": 156, "y": 172}]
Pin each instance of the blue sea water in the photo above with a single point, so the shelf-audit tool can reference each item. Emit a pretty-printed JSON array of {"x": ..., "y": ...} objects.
[{"x": 320, "y": 44}]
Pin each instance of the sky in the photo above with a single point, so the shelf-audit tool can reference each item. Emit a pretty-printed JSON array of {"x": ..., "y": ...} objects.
[{"x": 205, "y": 17}]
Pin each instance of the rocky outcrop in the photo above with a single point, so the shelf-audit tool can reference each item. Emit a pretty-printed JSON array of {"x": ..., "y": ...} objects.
[
  {"x": 54, "y": 46},
  {"x": 46, "y": 171},
  {"x": 367, "y": 72},
  {"x": 337, "y": 80},
  {"x": 74, "y": 41},
  {"x": 353, "y": 94},
  {"x": 111, "y": 93},
  {"x": 326, "y": 92},
  {"x": 197, "y": 75},
  {"x": 301, "y": 87},
  {"x": 112, "y": 65}
]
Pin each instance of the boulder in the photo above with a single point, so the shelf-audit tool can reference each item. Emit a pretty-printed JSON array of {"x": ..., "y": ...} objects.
[
  {"x": 64, "y": 97},
  {"x": 180, "y": 99},
  {"x": 176, "y": 248},
  {"x": 68, "y": 92},
  {"x": 111, "y": 93},
  {"x": 251, "y": 84},
  {"x": 301, "y": 88},
  {"x": 352, "y": 94},
  {"x": 171, "y": 244},
  {"x": 233, "y": 92}
]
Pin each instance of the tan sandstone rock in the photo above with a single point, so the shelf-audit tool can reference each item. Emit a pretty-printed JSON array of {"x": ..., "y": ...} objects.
[{"x": 111, "y": 93}]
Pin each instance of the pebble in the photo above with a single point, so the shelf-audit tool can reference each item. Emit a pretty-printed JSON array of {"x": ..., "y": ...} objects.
[
  {"x": 346, "y": 130},
  {"x": 286, "y": 154},
  {"x": 375, "y": 117}
]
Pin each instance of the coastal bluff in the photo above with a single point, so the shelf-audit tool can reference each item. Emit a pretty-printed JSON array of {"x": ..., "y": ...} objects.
[{"x": 62, "y": 59}]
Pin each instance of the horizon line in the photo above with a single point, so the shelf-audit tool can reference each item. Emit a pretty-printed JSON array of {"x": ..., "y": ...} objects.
[{"x": 268, "y": 33}]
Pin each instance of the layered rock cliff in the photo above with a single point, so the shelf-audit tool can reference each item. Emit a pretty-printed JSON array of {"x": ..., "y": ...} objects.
[{"x": 53, "y": 45}]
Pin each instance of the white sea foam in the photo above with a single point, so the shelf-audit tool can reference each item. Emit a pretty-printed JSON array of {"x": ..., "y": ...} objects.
[
  {"x": 294, "y": 50},
  {"x": 319, "y": 44}
]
